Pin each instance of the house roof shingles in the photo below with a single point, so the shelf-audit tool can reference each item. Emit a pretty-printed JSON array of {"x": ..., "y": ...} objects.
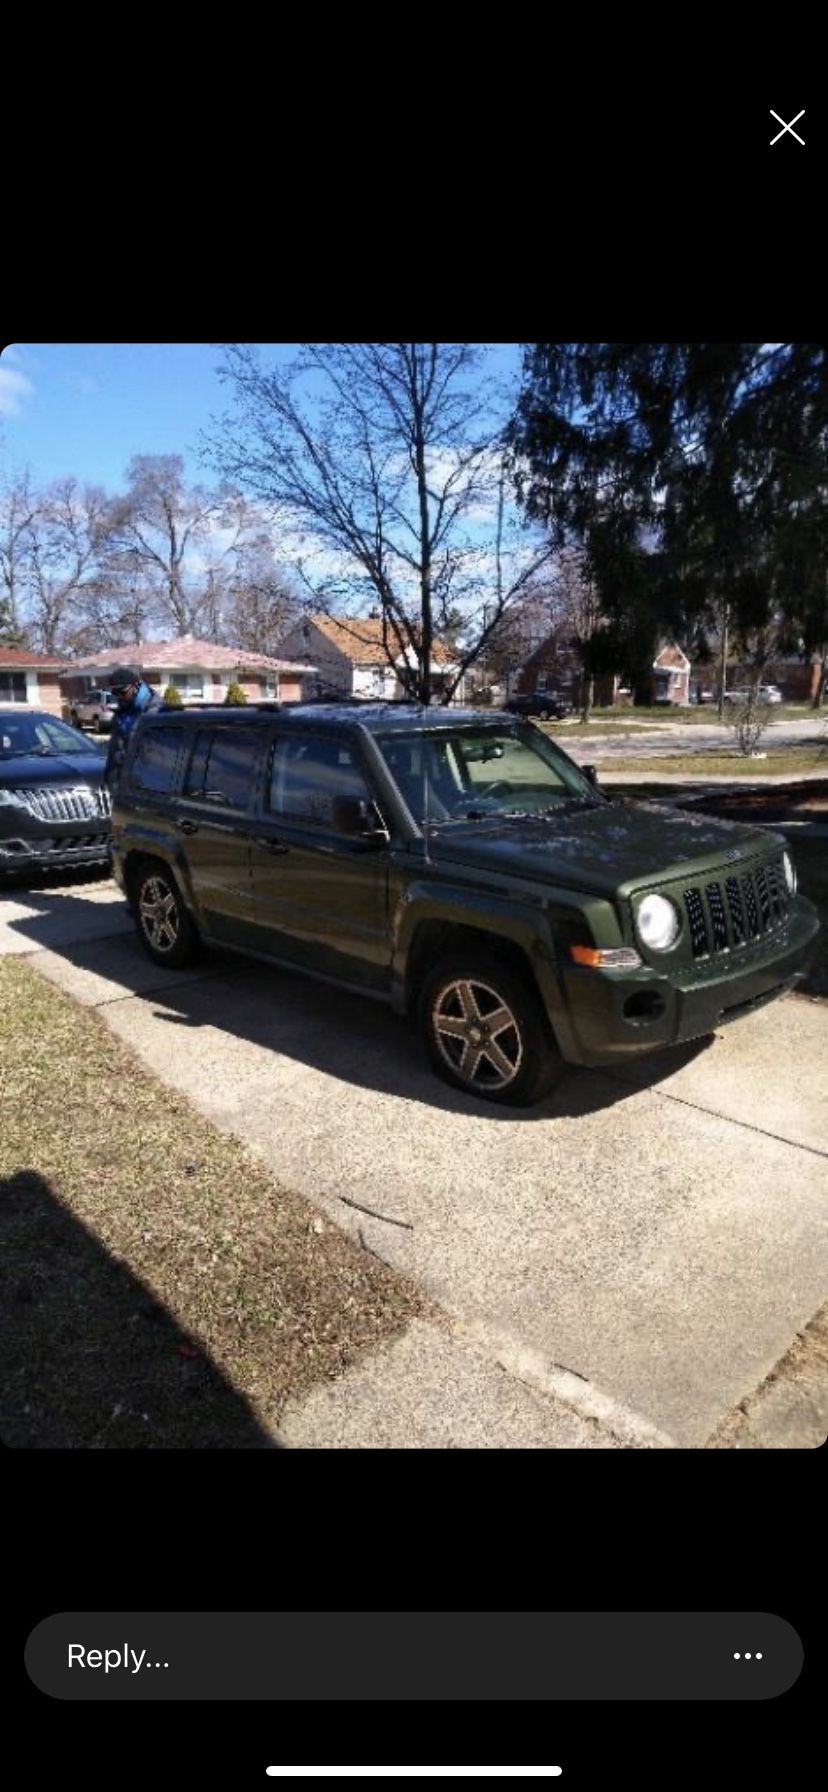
[
  {"x": 18, "y": 657},
  {"x": 203, "y": 656},
  {"x": 360, "y": 638}
]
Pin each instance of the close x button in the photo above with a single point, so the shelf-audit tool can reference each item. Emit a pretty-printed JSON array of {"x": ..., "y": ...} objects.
[{"x": 787, "y": 129}]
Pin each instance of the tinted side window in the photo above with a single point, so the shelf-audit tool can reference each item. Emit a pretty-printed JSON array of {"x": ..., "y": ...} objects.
[
  {"x": 230, "y": 768},
  {"x": 154, "y": 765},
  {"x": 306, "y": 776},
  {"x": 194, "y": 776}
]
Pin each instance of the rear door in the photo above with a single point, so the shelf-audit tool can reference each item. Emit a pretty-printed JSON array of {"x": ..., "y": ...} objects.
[
  {"x": 215, "y": 815},
  {"x": 320, "y": 896}
]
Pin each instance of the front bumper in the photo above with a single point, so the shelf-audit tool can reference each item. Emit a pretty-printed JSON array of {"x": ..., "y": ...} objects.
[
  {"x": 50, "y": 846},
  {"x": 618, "y": 1015}
]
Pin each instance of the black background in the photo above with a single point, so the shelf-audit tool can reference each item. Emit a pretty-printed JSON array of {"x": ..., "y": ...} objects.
[{"x": 621, "y": 1531}]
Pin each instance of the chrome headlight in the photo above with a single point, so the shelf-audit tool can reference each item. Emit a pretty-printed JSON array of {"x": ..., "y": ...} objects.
[
  {"x": 658, "y": 923},
  {"x": 790, "y": 874}
]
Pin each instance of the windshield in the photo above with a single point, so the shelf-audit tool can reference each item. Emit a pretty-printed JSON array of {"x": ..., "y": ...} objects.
[
  {"x": 27, "y": 733},
  {"x": 471, "y": 773}
]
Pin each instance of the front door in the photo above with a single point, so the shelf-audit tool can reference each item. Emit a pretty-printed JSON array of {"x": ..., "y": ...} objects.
[{"x": 319, "y": 895}]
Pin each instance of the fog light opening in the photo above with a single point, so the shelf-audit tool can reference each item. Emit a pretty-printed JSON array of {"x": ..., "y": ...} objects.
[{"x": 646, "y": 1004}]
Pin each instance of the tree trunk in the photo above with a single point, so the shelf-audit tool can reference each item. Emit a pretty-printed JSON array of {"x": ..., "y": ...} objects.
[
  {"x": 723, "y": 664},
  {"x": 819, "y": 694}
]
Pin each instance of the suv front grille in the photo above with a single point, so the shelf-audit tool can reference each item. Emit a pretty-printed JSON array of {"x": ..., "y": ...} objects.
[
  {"x": 739, "y": 911},
  {"x": 78, "y": 802}
]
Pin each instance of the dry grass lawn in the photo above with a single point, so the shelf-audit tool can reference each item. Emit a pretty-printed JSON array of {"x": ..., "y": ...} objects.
[{"x": 161, "y": 1290}]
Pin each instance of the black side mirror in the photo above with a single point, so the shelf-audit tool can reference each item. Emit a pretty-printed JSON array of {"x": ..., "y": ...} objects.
[
  {"x": 352, "y": 815},
  {"x": 591, "y": 772}
]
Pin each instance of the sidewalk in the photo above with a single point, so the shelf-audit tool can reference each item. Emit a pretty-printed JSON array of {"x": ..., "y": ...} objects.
[{"x": 647, "y": 1316}]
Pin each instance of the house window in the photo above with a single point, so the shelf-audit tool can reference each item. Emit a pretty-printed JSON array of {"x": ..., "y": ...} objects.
[
  {"x": 541, "y": 681},
  {"x": 270, "y": 685},
  {"x": 190, "y": 684},
  {"x": 12, "y": 687}
]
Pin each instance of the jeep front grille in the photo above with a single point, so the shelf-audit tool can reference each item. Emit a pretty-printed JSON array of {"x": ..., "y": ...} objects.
[
  {"x": 64, "y": 802},
  {"x": 741, "y": 910}
]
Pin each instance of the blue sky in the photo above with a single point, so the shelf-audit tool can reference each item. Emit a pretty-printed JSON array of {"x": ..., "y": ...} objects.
[{"x": 86, "y": 408}]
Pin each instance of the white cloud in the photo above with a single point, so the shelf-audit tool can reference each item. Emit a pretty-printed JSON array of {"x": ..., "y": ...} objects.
[{"x": 14, "y": 388}]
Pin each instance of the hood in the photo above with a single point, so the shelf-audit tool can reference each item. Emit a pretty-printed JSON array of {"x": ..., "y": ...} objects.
[
  {"x": 612, "y": 848},
  {"x": 60, "y": 768}
]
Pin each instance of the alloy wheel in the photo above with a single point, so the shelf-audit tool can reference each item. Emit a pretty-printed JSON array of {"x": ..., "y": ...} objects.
[
  {"x": 477, "y": 1034},
  {"x": 158, "y": 910}
]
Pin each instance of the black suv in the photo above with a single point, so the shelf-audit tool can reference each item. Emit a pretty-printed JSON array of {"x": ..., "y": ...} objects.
[
  {"x": 54, "y": 807},
  {"x": 460, "y": 867},
  {"x": 540, "y": 703}
]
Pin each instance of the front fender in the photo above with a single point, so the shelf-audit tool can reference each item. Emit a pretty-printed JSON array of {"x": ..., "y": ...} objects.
[{"x": 525, "y": 925}]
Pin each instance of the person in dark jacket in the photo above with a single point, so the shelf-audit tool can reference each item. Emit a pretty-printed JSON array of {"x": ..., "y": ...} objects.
[{"x": 135, "y": 699}]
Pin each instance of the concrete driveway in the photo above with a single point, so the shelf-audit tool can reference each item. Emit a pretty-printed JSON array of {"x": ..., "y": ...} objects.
[{"x": 643, "y": 1246}]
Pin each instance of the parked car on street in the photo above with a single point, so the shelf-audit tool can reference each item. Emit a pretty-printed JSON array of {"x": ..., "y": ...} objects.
[
  {"x": 54, "y": 809},
  {"x": 462, "y": 868},
  {"x": 540, "y": 703},
  {"x": 769, "y": 693},
  {"x": 95, "y": 710}
]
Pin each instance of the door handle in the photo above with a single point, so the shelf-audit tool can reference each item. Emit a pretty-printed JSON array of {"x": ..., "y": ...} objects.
[
  {"x": 187, "y": 827},
  {"x": 274, "y": 846}
]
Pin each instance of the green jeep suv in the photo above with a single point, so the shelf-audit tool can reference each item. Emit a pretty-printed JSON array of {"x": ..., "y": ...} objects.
[{"x": 461, "y": 868}]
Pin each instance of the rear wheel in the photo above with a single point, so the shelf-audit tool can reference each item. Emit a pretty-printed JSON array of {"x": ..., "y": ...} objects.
[
  {"x": 485, "y": 1032},
  {"x": 164, "y": 926}
]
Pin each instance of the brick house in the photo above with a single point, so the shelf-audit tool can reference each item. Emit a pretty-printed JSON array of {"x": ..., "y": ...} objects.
[
  {"x": 555, "y": 666},
  {"x": 349, "y": 659},
  {"x": 200, "y": 670},
  {"x": 31, "y": 678},
  {"x": 671, "y": 675}
]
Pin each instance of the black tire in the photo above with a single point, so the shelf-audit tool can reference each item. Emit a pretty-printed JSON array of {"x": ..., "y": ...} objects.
[
  {"x": 528, "y": 1064},
  {"x": 162, "y": 920}
]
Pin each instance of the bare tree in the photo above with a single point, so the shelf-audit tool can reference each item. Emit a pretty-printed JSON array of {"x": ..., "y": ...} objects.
[
  {"x": 384, "y": 460},
  {"x": 66, "y": 538},
  {"x": 160, "y": 522},
  {"x": 577, "y": 618},
  {"x": 18, "y": 508},
  {"x": 249, "y": 600}
]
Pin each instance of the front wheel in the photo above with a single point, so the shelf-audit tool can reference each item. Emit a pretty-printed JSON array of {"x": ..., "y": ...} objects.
[
  {"x": 164, "y": 926},
  {"x": 484, "y": 1031}
]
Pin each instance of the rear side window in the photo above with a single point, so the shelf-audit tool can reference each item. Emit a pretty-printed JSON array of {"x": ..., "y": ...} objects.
[
  {"x": 223, "y": 767},
  {"x": 156, "y": 759}
]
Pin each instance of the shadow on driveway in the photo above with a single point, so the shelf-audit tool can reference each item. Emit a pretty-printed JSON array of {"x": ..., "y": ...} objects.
[
  {"x": 352, "y": 1038},
  {"x": 89, "y": 1358}
]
